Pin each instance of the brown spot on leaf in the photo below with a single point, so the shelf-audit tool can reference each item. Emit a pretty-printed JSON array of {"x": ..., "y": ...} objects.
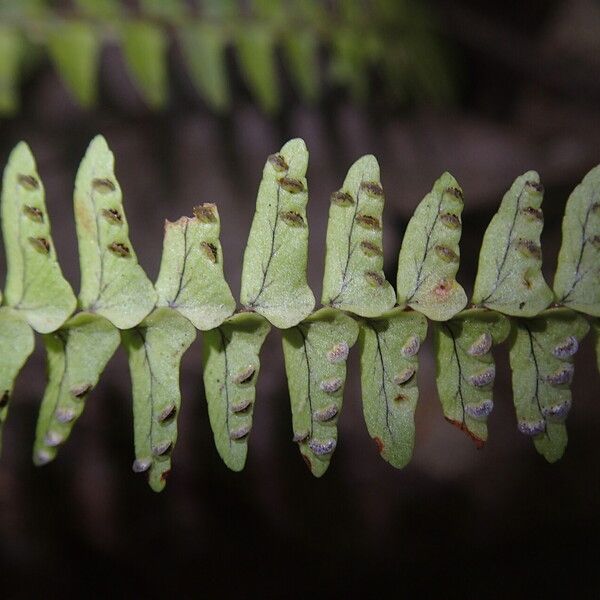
[
  {"x": 595, "y": 241},
  {"x": 278, "y": 162},
  {"x": 81, "y": 391},
  {"x": 165, "y": 475},
  {"x": 119, "y": 249},
  {"x": 443, "y": 289},
  {"x": 446, "y": 253},
  {"x": 368, "y": 221},
  {"x": 292, "y": 218},
  {"x": 103, "y": 186},
  {"x": 245, "y": 375},
  {"x": 341, "y": 198},
  {"x": 456, "y": 192},
  {"x": 529, "y": 248},
  {"x": 372, "y": 188},
  {"x": 401, "y": 398},
  {"x": 479, "y": 443},
  {"x": 42, "y": 245},
  {"x": 206, "y": 213},
  {"x": 291, "y": 185},
  {"x": 167, "y": 413},
  {"x": 533, "y": 214},
  {"x": 374, "y": 278},
  {"x": 307, "y": 461},
  {"x": 35, "y": 214},
  {"x": 535, "y": 186},
  {"x": 112, "y": 215},
  {"x": 370, "y": 249},
  {"x": 379, "y": 444},
  {"x": 450, "y": 220},
  {"x": 29, "y": 182},
  {"x": 210, "y": 251}
]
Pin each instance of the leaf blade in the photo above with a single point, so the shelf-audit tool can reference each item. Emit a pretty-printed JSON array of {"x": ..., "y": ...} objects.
[
  {"x": 389, "y": 364},
  {"x": 316, "y": 372},
  {"x": 275, "y": 259},
  {"x": 231, "y": 364},
  {"x": 430, "y": 255}
]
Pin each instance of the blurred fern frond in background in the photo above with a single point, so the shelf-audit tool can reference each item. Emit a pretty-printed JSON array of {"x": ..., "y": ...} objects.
[{"x": 384, "y": 48}]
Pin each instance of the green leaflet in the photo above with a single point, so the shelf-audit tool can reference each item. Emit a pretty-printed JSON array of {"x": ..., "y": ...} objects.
[
  {"x": 315, "y": 353},
  {"x": 577, "y": 277},
  {"x": 274, "y": 270},
  {"x": 154, "y": 349},
  {"x": 16, "y": 344},
  {"x": 145, "y": 48},
  {"x": 99, "y": 9},
  {"x": 77, "y": 354},
  {"x": 465, "y": 368},
  {"x": 11, "y": 48},
  {"x": 430, "y": 255},
  {"x": 112, "y": 282},
  {"x": 509, "y": 278},
  {"x": 255, "y": 47},
  {"x": 191, "y": 277},
  {"x": 75, "y": 49},
  {"x": 541, "y": 359},
  {"x": 170, "y": 10},
  {"x": 35, "y": 285},
  {"x": 301, "y": 50},
  {"x": 353, "y": 279},
  {"x": 203, "y": 46},
  {"x": 231, "y": 366},
  {"x": 389, "y": 362},
  {"x": 349, "y": 62}
]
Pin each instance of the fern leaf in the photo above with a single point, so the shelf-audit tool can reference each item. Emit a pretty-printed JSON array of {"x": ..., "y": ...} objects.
[
  {"x": 509, "y": 278},
  {"x": 389, "y": 363},
  {"x": 274, "y": 269},
  {"x": 16, "y": 345},
  {"x": 35, "y": 285},
  {"x": 315, "y": 353},
  {"x": 145, "y": 51},
  {"x": 255, "y": 46},
  {"x": 74, "y": 47},
  {"x": 99, "y": 9},
  {"x": 353, "y": 279},
  {"x": 231, "y": 367},
  {"x": 77, "y": 354},
  {"x": 577, "y": 277},
  {"x": 465, "y": 369},
  {"x": 11, "y": 49},
  {"x": 301, "y": 54},
  {"x": 541, "y": 359},
  {"x": 169, "y": 10},
  {"x": 191, "y": 277},
  {"x": 203, "y": 46},
  {"x": 430, "y": 255},
  {"x": 113, "y": 284},
  {"x": 154, "y": 349}
]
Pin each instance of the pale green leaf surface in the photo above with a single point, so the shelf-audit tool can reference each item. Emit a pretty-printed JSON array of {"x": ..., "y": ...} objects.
[
  {"x": 11, "y": 49},
  {"x": 315, "y": 353},
  {"x": 301, "y": 50},
  {"x": 274, "y": 269},
  {"x": 145, "y": 48},
  {"x": 77, "y": 354},
  {"x": 389, "y": 363},
  {"x": 74, "y": 47},
  {"x": 353, "y": 279},
  {"x": 203, "y": 46},
  {"x": 255, "y": 47},
  {"x": 154, "y": 350},
  {"x": 509, "y": 277},
  {"x": 171, "y": 10},
  {"x": 231, "y": 366},
  {"x": 191, "y": 277},
  {"x": 541, "y": 360},
  {"x": 577, "y": 277},
  {"x": 465, "y": 368},
  {"x": 112, "y": 282},
  {"x": 35, "y": 285},
  {"x": 430, "y": 255},
  {"x": 16, "y": 345}
]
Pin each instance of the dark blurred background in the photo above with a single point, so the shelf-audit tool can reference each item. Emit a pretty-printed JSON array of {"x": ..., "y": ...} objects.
[{"x": 484, "y": 90}]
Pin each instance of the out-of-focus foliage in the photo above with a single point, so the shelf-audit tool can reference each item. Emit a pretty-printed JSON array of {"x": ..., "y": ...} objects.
[{"x": 324, "y": 47}]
